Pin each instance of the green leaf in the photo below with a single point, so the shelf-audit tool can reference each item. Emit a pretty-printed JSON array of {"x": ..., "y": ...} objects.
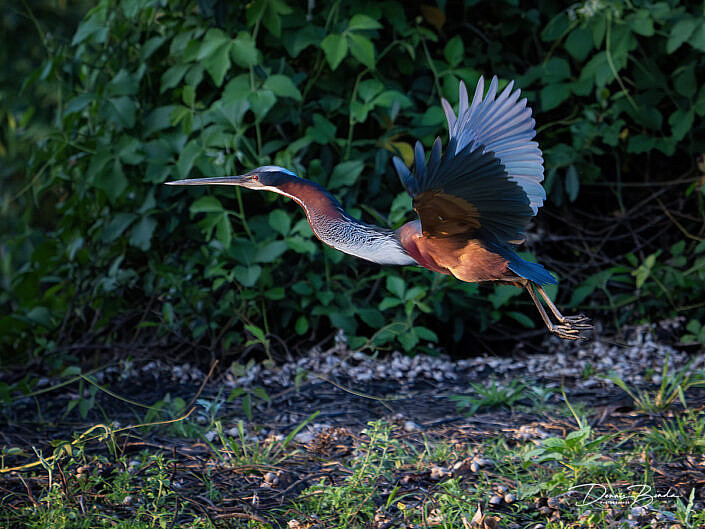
[
  {"x": 217, "y": 63},
  {"x": 572, "y": 183},
  {"x": 699, "y": 106},
  {"x": 640, "y": 143},
  {"x": 282, "y": 86},
  {"x": 142, "y": 233},
  {"x": 359, "y": 111},
  {"x": 206, "y": 204},
  {"x": 280, "y": 221},
  {"x": 388, "y": 303},
  {"x": 408, "y": 340},
  {"x": 188, "y": 95},
  {"x": 454, "y": 51},
  {"x": 247, "y": 405},
  {"x": 553, "y": 95},
  {"x": 78, "y": 103},
  {"x": 187, "y": 157},
  {"x": 243, "y": 50},
  {"x": 158, "y": 119},
  {"x": 648, "y": 117},
  {"x": 685, "y": 82},
  {"x": 580, "y": 293},
  {"x": 301, "y": 326},
  {"x": 426, "y": 334},
  {"x": 523, "y": 319},
  {"x": 556, "y": 27},
  {"x": 368, "y": 89},
  {"x": 363, "y": 22},
  {"x": 247, "y": 276},
  {"x": 300, "y": 39},
  {"x": 389, "y": 98},
  {"x": 275, "y": 293},
  {"x": 94, "y": 26},
  {"x": 122, "y": 111},
  {"x": 173, "y": 76},
  {"x": 213, "y": 40},
  {"x": 261, "y": 393},
  {"x": 112, "y": 183},
  {"x": 579, "y": 43},
  {"x": 680, "y": 32},
  {"x": 502, "y": 294},
  {"x": 681, "y": 121},
  {"x": 335, "y": 48},
  {"x": 123, "y": 84},
  {"x": 697, "y": 38},
  {"x": 261, "y": 102},
  {"x": 598, "y": 69},
  {"x": 271, "y": 16},
  {"x": 556, "y": 69},
  {"x": 269, "y": 252},
  {"x": 224, "y": 230},
  {"x": 641, "y": 23},
  {"x": 322, "y": 131},
  {"x": 363, "y": 50},
  {"x": 371, "y": 317},
  {"x": 345, "y": 174},
  {"x": 396, "y": 286},
  {"x": 117, "y": 226}
]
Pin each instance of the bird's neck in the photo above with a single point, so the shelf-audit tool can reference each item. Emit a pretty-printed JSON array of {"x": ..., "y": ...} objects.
[{"x": 338, "y": 229}]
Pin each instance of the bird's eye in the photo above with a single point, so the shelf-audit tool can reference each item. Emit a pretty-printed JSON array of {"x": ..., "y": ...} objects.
[{"x": 255, "y": 177}]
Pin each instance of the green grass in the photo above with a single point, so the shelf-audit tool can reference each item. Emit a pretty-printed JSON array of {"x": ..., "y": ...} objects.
[
  {"x": 193, "y": 472},
  {"x": 672, "y": 387}
]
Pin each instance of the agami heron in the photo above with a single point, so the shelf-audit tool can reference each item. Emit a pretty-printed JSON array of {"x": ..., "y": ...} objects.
[{"x": 473, "y": 202}]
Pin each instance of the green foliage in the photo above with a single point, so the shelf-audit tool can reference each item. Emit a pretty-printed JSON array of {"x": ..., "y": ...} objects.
[
  {"x": 673, "y": 386},
  {"x": 683, "y": 435},
  {"x": 492, "y": 396},
  {"x": 580, "y": 452},
  {"x": 151, "y": 91}
]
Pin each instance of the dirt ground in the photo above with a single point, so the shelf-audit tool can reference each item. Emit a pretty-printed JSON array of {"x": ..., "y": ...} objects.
[{"x": 347, "y": 390}]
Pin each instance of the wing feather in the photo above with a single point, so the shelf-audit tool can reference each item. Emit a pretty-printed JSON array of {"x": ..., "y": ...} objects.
[
  {"x": 502, "y": 125},
  {"x": 488, "y": 181}
]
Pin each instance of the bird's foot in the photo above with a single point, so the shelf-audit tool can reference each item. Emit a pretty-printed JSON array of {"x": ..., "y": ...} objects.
[
  {"x": 572, "y": 327},
  {"x": 578, "y": 322}
]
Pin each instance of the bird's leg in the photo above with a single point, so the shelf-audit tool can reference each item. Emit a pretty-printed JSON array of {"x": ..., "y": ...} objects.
[
  {"x": 542, "y": 311},
  {"x": 568, "y": 328},
  {"x": 579, "y": 322}
]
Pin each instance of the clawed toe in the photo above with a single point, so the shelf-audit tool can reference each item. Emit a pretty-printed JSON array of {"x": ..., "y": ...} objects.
[
  {"x": 571, "y": 327},
  {"x": 567, "y": 327},
  {"x": 580, "y": 321}
]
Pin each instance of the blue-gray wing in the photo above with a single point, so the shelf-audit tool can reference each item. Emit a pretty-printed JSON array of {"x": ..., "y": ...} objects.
[
  {"x": 502, "y": 125},
  {"x": 488, "y": 181},
  {"x": 465, "y": 193}
]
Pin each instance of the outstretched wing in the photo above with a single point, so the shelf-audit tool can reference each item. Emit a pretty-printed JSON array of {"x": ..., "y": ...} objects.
[
  {"x": 488, "y": 179},
  {"x": 502, "y": 125}
]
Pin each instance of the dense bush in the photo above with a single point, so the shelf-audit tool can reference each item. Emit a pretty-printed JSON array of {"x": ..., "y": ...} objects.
[{"x": 149, "y": 91}]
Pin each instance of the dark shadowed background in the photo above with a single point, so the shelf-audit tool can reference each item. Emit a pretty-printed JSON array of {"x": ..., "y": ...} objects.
[{"x": 98, "y": 108}]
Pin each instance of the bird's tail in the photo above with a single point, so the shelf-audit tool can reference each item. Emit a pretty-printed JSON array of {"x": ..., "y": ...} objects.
[{"x": 526, "y": 269}]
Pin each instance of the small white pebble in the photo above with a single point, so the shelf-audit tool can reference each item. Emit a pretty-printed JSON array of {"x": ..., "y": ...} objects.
[
  {"x": 303, "y": 437},
  {"x": 210, "y": 435},
  {"x": 411, "y": 426}
]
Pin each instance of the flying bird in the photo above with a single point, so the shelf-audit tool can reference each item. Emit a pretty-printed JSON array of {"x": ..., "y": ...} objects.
[{"x": 473, "y": 202}]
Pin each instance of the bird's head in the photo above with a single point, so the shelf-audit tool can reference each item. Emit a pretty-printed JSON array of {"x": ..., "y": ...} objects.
[{"x": 267, "y": 177}]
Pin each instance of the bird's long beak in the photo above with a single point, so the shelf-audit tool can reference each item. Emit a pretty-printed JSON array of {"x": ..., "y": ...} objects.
[{"x": 241, "y": 180}]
